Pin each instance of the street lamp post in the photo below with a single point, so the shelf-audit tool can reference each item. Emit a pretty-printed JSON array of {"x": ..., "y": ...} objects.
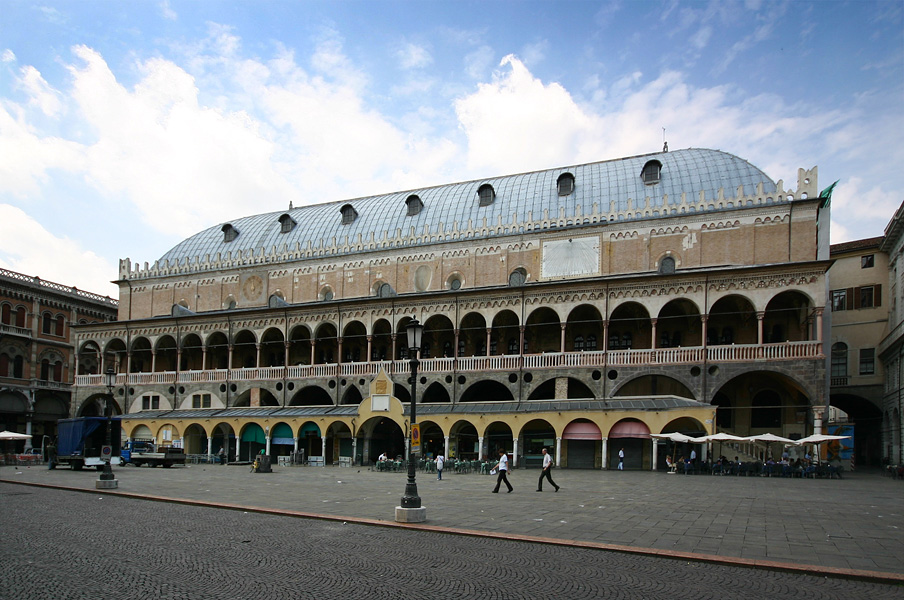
[
  {"x": 110, "y": 380},
  {"x": 411, "y": 510}
]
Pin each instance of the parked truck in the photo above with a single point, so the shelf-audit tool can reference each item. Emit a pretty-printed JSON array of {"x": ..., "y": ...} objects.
[
  {"x": 144, "y": 452},
  {"x": 80, "y": 442}
]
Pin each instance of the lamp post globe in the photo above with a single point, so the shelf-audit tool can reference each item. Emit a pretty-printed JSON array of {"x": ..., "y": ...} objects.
[{"x": 415, "y": 335}]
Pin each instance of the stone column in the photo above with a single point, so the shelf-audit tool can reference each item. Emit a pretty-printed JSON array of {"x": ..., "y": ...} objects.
[
  {"x": 268, "y": 444},
  {"x": 370, "y": 340},
  {"x": 562, "y": 326},
  {"x": 819, "y": 312},
  {"x": 455, "y": 349},
  {"x": 605, "y": 466},
  {"x": 446, "y": 447},
  {"x": 514, "y": 452},
  {"x": 489, "y": 339},
  {"x": 655, "y": 449},
  {"x": 558, "y": 456},
  {"x": 760, "y": 316},
  {"x": 703, "y": 319},
  {"x": 209, "y": 448},
  {"x": 313, "y": 347},
  {"x": 480, "y": 455},
  {"x": 653, "y": 339},
  {"x": 323, "y": 451}
]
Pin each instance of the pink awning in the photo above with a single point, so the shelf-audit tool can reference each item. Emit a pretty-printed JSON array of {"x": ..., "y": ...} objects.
[
  {"x": 582, "y": 431},
  {"x": 630, "y": 429}
]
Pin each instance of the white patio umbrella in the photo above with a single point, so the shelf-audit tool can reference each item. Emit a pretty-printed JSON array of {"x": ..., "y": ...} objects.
[
  {"x": 676, "y": 438},
  {"x": 12, "y": 435},
  {"x": 768, "y": 438},
  {"x": 723, "y": 437},
  {"x": 817, "y": 438}
]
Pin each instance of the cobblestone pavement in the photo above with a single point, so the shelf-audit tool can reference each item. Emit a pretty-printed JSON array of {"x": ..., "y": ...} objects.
[
  {"x": 61, "y": 545},
  {"x": 855, "y": 523}
]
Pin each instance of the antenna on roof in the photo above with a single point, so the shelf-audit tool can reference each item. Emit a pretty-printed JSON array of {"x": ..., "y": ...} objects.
[{"x": 665, "y": 144}]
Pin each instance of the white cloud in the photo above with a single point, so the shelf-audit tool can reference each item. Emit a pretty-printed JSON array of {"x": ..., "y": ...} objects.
[
  {"x": 858, "y": 206},
  {"x": 8, "y": 56},
  {"x": 167, "y": 11},
  {"x": 26, "y": 247},
  {"x": 42, "y": 95},
  {"x": 414, "y": 56},
  {"x": 479, "y": 62}
]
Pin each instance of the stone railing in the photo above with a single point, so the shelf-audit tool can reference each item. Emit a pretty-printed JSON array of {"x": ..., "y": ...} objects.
[{"x": 472, "y": 364}]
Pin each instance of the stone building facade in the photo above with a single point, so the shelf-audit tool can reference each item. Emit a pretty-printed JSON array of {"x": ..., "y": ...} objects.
[
  {"x": 37, "y": 358},
  {"x": 574, "y": 308},
  {"x": 891, "y": 348}
]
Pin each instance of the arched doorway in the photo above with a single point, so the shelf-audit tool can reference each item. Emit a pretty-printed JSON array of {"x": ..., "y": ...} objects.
[
  {"x": 582, "y": 444},
  {"x": 631, "y": 436}
]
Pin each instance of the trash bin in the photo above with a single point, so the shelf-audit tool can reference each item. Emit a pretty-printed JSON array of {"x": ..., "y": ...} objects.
[{"x": 263, "y": 465}]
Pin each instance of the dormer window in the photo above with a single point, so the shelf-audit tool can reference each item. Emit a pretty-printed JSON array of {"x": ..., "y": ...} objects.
[
  {"x": 565, "y": 184},
  {"x": 349, "y": 214},
  {"x": 286, "y": 223},
  {"x": 229, "y": 232},
  {"x": 651, "y": 172},
  {"x": 486, "y": 194},
  {"x": 414, "y": 205}
]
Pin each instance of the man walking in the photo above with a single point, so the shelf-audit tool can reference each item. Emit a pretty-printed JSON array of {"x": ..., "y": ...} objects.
[
  {"x": 547, "y": 467},
  {"x": 621, "y": 459},
  {"x": 440, "y": 461},
  {"x": 503, "y": 471}
]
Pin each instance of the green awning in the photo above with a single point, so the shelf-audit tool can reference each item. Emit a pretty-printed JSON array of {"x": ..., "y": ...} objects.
[
  {"x": 254, "y": 433},
  {"x": 282, "y": 430},
  {"x": 309, "y": 427}
]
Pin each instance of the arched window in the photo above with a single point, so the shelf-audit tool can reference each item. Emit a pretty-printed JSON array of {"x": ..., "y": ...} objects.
[
  {"x": 486, "y": 195},
  {"x": 20, "y": 316},
  {"x": 286, "y": 223},
  {"x": 414, "y": 205},
  {"x": 513, "y": 346},
  {"x": 229, "y": 232},
  {"x": 651, "y": 172},
  {"x": 46, "y": 323},
  {"x": 45, "y": 370},
  {"x": 60, "y": 323},
  {"x": 839, "y": 359},
  {"x": 58, "y": 371},
  {"x": 4, "y": 365},
  {"x": 517, "y": 277},
  {"x": 349, "y": 214},
  {"x": 18, "y": 367},
  {"x": 579, "y": 343},
  {"x": 667, "y": 265},
  {"x": 6, "y": 315},
  {"x": 565, "y": 184}
]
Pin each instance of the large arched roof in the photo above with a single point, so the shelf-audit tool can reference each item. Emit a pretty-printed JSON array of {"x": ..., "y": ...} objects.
[{"x": 606, "y": 186}]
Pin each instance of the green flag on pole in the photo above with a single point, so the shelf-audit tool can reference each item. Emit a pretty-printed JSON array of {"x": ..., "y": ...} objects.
[{"x": 827, "y": 193}]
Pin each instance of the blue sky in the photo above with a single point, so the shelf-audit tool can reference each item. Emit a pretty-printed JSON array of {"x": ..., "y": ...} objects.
[{"x": 126, "y": 127}]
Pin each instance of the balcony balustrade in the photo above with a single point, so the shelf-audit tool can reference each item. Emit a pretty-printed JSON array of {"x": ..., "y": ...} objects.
[{"x": 471, "y": 364}]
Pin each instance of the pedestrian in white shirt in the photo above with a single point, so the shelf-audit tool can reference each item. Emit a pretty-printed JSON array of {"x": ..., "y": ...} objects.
[
  {"x": 440, "y": 461},
  {"x": 503, "y": 471},
  {"x": 547, "y": 468}
]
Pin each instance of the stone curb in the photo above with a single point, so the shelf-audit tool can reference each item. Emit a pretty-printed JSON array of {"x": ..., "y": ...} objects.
[{"x": 800, "y": 569}]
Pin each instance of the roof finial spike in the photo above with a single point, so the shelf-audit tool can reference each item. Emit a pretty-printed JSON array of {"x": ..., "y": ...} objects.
[
  {"x": 290, "y": 205},
  {"x": 665, "y": 144}
]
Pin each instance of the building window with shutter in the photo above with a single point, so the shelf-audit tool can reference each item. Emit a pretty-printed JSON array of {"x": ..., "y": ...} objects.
[
  {"x": 867, "y": 361},
  {"x": 839, "y": 359},
  {"x": 866, "y": 297},
  {"x": 867, "y": 261},
  {"x": 839, "y": 300}
]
